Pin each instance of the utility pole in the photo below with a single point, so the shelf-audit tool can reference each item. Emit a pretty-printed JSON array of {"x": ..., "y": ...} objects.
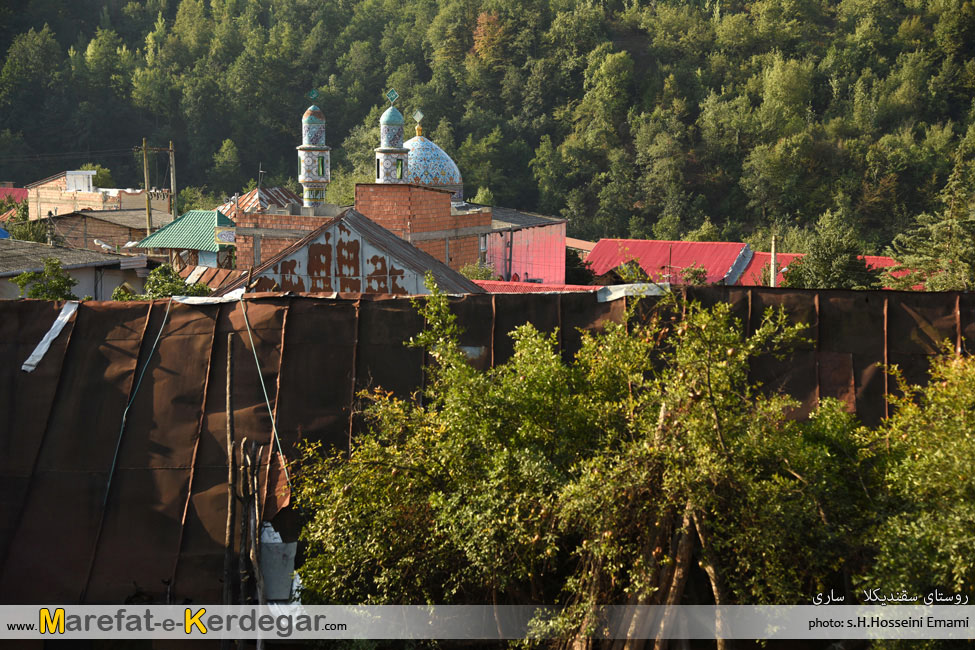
[
  {"x": 172, "y": 181},
  {"x": 145, "y": 170}
]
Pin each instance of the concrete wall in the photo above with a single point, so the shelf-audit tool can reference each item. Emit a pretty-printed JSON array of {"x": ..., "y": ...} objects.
[{"x": 92, "y": 281}]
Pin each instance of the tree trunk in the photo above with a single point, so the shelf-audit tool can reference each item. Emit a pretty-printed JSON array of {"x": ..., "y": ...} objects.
[
  {"x": 682, "y": 561},
  {"x": 709, "y": 564}
]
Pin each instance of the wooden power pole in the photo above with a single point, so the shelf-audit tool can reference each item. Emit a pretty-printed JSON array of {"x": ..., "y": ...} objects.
[
  {"x": 172, "y": 181},
  {"x": 145, "y": 170}
]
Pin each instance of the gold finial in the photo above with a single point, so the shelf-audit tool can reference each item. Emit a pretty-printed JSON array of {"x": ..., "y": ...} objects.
[{"x": 418, "y": 115}]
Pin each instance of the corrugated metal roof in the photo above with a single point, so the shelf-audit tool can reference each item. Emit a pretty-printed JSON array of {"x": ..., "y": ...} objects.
[
  {"x": 18, "y": 194},
  {"x": 192, "y": 231},
  {"x": 45, "y": 180},
  {"x": 405, "y": 253},
  {"x": 510, "y": 218},
  {"x": 723, "y": 261},
  {"x": 130, "y": 218},
  {"x": 752, "y": 275},
  {"x": 18, "y": 256},
  {"x": 497, "y": 286},
  {"x": 258, "y": 199},
  {"x": 214, "y": 280}
]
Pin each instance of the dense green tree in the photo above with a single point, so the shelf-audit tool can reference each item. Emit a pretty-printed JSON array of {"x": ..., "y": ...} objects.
[
  {"x": 102, "y": 177},
  {"x": 226, "y": 167},
  {"x": 628, "y": 119},
  {"x": 162, "y": 282},
  {"x": 590, "y": 482},
  {"x": 53, "y": 283},
  {"x": 834, "y": 259},
  {"x": 937, "y": 253},
  {"x": 926, "y": 541}
]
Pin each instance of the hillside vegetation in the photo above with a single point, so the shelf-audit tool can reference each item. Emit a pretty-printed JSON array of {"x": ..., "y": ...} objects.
[{"x": 713, "y": 119}]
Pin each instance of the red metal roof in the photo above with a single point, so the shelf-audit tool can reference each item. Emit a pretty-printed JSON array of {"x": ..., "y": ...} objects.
[
  {"x": 661, "y": 259},
  {"x": 752, "y": 276},
  {"x": 18, "y": 194},
  {"x": 258, "y": 199},
  {"x": 497, "y": 286}
]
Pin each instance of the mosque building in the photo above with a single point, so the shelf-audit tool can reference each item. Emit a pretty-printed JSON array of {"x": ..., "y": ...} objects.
[{"x": 418, "y": 195}]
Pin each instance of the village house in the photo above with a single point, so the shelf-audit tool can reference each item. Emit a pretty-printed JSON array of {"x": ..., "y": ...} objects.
[
  {"x": 98, "y": 274},
  {"x": 71, "y": 191}
]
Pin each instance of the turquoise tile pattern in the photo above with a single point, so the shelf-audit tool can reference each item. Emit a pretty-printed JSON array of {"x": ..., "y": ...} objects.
[{"x": 429, "y": 164}]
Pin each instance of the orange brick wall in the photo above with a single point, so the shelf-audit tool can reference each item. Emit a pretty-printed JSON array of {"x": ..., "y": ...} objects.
[
  {"x": 78, "y": 231},
  {"x": 464, "y": 251},
  {"x": 270, "y": 246},
  {"x": 387, "y": 205},
  {"x": 407, "y": 209}
]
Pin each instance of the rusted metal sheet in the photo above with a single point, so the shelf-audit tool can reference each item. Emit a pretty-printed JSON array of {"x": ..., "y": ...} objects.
[{"x": 166, "y": 508}]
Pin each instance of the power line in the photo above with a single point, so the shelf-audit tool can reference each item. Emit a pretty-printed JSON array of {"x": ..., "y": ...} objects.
[{"x": 71, "y": 154}]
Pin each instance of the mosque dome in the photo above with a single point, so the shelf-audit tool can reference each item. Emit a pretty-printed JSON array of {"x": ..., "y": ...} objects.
[
  {"x": 313, "y": 115},
  {"x": 392, "y": 117},
  {"x": 430, "y": 165}
]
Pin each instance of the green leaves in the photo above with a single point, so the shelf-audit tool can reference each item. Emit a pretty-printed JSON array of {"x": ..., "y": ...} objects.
[
  {"x": 586, "y": 482},
  {"x": 53, "y": 283}
]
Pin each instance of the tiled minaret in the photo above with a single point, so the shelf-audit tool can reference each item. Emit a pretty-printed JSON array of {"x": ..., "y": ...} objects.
[
  {"x": 314, "y": 171},
  {"x": 392, "y": 158}
]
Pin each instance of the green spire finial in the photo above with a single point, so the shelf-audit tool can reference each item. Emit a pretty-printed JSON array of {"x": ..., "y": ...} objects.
[{"x": 392, "y": 96}]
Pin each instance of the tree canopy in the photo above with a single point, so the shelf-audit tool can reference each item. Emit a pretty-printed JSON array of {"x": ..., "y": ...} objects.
[
  {"x": 646, "y": 469},
  {"x": 660, "y": 119}
]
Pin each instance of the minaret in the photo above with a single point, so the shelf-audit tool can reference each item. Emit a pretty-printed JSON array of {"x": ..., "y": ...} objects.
[
  {"x": 314, "y": 171},
  {"x": 392, "y": 158}
]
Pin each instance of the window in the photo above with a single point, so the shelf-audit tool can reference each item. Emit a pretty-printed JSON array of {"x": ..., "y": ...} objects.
[
  {"x": 321, "y": 165},
  {"x": 377, "y": 169},
  {"x": 399, "y": 168}
]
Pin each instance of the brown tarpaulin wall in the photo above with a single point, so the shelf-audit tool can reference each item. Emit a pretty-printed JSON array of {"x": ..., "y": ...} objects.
[{"x": 67, "y": 536}]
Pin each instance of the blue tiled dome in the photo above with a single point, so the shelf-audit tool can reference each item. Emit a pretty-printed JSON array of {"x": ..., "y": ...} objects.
[
  {"x": 392, "y": 117},
  {"x": 429, "y": 164}
]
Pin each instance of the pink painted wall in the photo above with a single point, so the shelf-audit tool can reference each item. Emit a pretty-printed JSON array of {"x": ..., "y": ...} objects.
[{"x": 537, "y": 253}]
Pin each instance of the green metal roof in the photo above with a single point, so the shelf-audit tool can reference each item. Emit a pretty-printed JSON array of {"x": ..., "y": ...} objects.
[{"x": 192, "y": 231}]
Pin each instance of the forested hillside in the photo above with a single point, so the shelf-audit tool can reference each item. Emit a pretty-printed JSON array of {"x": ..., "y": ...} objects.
[{"x": 712, "y": 119}]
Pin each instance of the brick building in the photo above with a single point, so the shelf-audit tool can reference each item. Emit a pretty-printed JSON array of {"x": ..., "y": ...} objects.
[
  {"x": 349, "y": 253},
  {"x": 425, "y": 217},
  {"x": 114, "y": 228},
  {"x": 262, "y": 235},
  {"x": 71, "y": 191}
]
